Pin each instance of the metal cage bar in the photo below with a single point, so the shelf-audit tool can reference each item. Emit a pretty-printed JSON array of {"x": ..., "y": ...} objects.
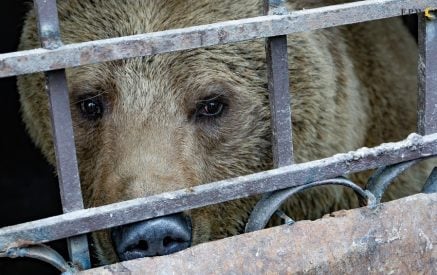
[
  {"x": 427, "y": 72},
  {"x": 63, "y": 136},
  {"x": 279, "y": 95},
  {"x": 39, "y": 60},
  {"x": 55, "y": 57},
  {"x": 93, "y": 219}
]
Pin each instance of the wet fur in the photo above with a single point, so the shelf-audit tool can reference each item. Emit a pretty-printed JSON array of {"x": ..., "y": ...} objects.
[{"x": 351, "y": 86}]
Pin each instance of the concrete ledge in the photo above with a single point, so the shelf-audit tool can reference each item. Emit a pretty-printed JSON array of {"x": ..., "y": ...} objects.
[{"x": 399, "y": 237}]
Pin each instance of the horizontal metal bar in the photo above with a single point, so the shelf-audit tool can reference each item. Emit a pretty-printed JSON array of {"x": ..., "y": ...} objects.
[
  {"x": 92, "y": 219},
  {"x": 72, "y": 55},
  {"x": 398, "y": 238}
]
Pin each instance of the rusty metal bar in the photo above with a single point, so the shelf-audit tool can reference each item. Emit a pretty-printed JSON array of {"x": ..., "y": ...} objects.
[
  {"x": 92, "y": 219},
  {"x": 399, "y": 237},
  {"x": 427, "y": 73},
  {"x": 63, "y": 137},
  {"x": 279, "y": 95},
  {"x": 38, "y": 60}
]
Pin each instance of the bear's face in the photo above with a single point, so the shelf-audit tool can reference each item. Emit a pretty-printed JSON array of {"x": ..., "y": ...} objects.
[
  {"x": 146, "y": 126},
  {"x": 150, "y": 125}
]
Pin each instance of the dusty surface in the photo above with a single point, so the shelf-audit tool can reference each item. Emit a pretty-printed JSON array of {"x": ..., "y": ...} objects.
[{"x": 398, "y": 237}]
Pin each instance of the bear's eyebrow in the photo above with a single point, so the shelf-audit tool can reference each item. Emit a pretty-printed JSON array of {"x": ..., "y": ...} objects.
[
  {"x": 85, "y": 96},
  {"x": 211, "y": 97}
]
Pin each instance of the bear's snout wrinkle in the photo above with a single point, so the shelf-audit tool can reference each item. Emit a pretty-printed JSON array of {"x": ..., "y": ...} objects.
[{"x": 154, "y": 237}]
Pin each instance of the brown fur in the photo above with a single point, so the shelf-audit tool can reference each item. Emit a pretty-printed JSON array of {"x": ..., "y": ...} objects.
[{"x": 351, "y": 86}]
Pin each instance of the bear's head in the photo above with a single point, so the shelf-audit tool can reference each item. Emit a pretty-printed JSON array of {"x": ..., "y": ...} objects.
[{"x": 148, "y": 125}]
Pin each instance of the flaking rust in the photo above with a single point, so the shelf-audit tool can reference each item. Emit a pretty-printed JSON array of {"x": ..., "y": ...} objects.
[{"x": 396, "y": 237}]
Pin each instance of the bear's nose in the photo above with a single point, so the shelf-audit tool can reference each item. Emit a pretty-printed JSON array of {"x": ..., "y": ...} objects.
[{"x": 154, "y": 237}]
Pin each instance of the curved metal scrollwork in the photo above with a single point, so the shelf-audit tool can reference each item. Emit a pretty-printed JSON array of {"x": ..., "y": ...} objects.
[
  {"x": 269, "y": 204},
  {"x": 431, "y": 183},
  {"x": 371, "y": 196},
  {"x": 265, "y": 208},
  {"x": 42, "y": 253},
  {"x": 384, "y": 176}
]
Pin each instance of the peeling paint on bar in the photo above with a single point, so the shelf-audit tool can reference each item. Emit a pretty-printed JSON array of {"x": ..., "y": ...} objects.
[
  {"x": 38, "y": 60},
  {"x": 92, "y": 219}
]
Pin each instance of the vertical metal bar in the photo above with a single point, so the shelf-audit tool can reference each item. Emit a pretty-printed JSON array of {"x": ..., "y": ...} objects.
[
  {"x": 278, "y": 85},
  {"x": 427, "y": 73},
  {"x": 63, "y": 138}
]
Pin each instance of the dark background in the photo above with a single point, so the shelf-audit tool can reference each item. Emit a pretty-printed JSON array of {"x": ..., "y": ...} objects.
[{"x": 29, "y": 189}]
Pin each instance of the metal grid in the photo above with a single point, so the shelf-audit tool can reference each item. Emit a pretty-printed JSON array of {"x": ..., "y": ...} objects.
[{"x": 53, "y": 57}]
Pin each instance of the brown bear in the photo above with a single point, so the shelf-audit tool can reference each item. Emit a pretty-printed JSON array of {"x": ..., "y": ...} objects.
[{"x": 154, "y": 124}]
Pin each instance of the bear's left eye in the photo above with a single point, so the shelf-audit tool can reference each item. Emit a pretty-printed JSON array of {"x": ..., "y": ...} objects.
[
  {"x": 210, "y": 107},
  {"x": 91, "y": 108}
]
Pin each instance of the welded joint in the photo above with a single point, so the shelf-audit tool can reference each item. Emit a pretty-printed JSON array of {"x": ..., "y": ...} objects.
[
  {"x": 50, "y": 37},
  {"x": 277, "y": 7},
  {"x": 371, "y": 201},
  {"x": 48, "y": 24},
  {"x": 287, "y": 220}
]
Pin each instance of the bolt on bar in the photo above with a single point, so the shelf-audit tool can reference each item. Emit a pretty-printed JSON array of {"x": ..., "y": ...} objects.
[
  {"x": 91, "y": 52},
  {"x": 279, "y": 95},
  {"x": 427, "y": 73},
  {"x": 63, "y": 137}
]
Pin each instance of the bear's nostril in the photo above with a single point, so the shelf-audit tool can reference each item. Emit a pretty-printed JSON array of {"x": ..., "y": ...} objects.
[
  {"x": 167, "y": 241},
  {"x": 154, "y": 237},
  {"x": 142, "y": 245}
]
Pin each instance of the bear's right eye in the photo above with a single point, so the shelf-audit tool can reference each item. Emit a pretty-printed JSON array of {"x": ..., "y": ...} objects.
[{"x": 91, "y": 108}]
